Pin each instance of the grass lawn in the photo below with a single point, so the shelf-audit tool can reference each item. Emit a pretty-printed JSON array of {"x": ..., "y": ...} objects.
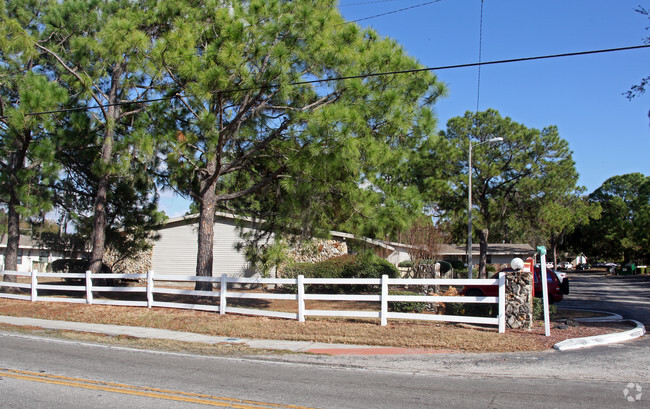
[{"x": 398, "y": 333}]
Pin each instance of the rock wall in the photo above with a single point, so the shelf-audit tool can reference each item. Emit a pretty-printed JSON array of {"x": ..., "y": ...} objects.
[
  {"x": 137, "y": 265},
  {"x": 316, "y": 250},
  {"x": 519, "y": 300}
]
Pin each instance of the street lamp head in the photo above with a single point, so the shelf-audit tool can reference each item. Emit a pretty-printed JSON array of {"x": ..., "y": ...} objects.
[{"x": 497, "y": 139}]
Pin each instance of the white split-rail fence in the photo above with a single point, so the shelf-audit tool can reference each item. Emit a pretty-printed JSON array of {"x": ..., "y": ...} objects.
[{"x": 224, "y": 293}]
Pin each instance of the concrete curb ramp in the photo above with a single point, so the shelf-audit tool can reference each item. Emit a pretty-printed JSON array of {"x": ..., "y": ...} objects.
[{"x": 584, "y": 342}]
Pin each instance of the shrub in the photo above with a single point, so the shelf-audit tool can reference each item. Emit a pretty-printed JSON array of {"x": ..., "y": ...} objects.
[
  {"x": 469, "y": 309},
  {"x": 445, "y": 266},
  {"x": 490, "y": 268},
  {"x": 405, "y": 263},
  {"x": 538, "y": 309},
  {"x": 457, "y": 264},
  {"x": 76, "y": 266},
  {"x": 405, "y": 306},
  {"x": 348, "y": 266}
]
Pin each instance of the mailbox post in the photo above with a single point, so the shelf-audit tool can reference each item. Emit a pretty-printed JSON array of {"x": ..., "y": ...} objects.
[{"x": 543, "y": 278}]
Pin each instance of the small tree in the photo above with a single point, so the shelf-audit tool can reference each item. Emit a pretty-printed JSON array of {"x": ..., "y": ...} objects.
[{"x": 424, "y": 240}]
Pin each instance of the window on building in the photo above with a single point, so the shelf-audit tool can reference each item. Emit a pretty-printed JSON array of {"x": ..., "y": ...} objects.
[{"x": 20, "y": 257}]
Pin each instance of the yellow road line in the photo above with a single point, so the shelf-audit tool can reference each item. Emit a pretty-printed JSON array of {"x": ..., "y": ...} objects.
[{"x": 141, "y": 391}]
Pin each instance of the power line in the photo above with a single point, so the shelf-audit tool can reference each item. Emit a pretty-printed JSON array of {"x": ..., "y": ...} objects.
[
  {"x": 366, "y": 2},
  {"x": 362, "y": 76},
  {"x": 476, "y": 64},
  {"x": 393, "y": 12}
]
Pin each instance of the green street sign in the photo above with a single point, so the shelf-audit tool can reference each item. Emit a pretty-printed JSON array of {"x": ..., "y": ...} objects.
[{"x": 541, "y": 249}]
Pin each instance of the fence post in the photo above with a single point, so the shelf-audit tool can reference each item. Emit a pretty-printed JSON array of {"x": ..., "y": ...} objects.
[
  {"x": 149, "y": 288},
  {"x": 89, "y": 287},
  {"x": 34, "y": 284},
  {"x": 384, "y": 300},
  {"x": 502, "y": 302},
  {"x": 301, "y": 298},
  {"x": 223, "y": 288}
]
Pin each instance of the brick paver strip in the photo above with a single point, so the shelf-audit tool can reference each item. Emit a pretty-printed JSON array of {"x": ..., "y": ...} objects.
[{"x": 376, "y": 351}]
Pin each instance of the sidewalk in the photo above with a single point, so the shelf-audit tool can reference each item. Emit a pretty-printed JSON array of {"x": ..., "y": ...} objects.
[
  {"x": 294, "y": 346},
  {"x": 155, "y": 333}
]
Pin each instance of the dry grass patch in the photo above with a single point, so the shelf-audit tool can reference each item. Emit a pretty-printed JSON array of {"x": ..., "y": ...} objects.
[
  {"x": 126, "y": 341},
  {"x": 408, "y": 334}
]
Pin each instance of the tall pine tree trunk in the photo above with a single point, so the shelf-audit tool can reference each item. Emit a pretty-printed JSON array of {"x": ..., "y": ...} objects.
[
  {"x": 99, "y": 227},
  {"x": 13, "y": 241},
  {"x": 13, "y": 218},
  {"x": 483, "y": 238},
  {"x": 205, "y": 253},
  {"x": 112, "y": 116}
]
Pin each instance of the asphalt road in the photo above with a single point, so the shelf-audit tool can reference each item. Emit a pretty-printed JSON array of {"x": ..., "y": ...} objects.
[
  {"x": 628, "y": 296},
  {"x": 42, "y": 373},
  {"x": 45, "y": 373}
]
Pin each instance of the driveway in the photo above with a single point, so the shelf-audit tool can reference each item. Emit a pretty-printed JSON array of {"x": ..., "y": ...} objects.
[{"x": 628, "y": 296}]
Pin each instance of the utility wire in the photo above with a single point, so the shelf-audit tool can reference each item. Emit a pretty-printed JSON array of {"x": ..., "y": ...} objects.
[
  {"x": 362, "y": 76},
  {"x": 393, "y": 12},
  {"x": 366, "y": 2}
]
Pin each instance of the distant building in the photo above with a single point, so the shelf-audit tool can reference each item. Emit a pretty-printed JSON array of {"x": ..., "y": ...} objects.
[
  {"x": 175, "y": 251},
  {"x": 497, "y": 253},
  {"x": 32, "y": 256}
]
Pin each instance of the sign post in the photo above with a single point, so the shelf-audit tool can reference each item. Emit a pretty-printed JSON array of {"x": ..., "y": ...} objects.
[{"x": 547, "y": 319}]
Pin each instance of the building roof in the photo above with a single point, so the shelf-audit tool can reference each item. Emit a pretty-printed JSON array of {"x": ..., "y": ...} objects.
[
  {"x": 444, "y": 249},
  {"x": 493, "y": 249},
  {"x": 26, "y": 242},
  {"x": 193, "y": 218}
]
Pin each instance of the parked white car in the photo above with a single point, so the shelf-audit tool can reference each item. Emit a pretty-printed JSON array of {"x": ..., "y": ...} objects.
[{"x": 561, "y": 275}]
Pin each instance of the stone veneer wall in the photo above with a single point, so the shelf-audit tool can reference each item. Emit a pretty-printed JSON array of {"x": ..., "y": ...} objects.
[
  {"x": 519, "y": 300},
  {"x": 137, "y": 265},
  {"x": 316, "y": 250},
  {"x": 312, "y": 251}
]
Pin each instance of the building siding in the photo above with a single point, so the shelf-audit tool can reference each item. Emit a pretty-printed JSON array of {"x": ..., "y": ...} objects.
[{"x": 175, "y": 251}]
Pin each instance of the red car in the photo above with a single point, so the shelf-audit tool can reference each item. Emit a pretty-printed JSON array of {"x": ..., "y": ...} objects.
[{"x": 556, "y": 290}]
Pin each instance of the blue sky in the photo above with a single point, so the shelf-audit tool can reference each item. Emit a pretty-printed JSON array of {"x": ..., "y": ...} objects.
[{"x": 582, "y": 95}]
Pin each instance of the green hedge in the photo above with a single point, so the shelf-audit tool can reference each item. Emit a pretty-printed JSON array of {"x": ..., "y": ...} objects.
[
  {"x": 457, "y": 264},
  {"x": 405, "y": 306},
  {"x": 76, "y": 266},
  {"x": 348, "y": 266},
  {"x": 472, "y": 309},
  {"x": 445, "y": 266}
]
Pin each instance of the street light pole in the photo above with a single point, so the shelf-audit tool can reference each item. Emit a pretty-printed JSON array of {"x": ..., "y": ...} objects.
[
  {"x": 469, "y": 214},
  {"x": 469, "y": 204}
]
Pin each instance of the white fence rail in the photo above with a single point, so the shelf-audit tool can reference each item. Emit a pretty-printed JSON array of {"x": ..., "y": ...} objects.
[{"x": 87, "y": 287}]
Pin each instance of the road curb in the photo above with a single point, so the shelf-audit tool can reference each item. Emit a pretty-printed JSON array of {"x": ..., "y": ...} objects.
[
  {"x": 607, "y": 317},
  {"x": 296, "y": 346},
  {"x": 584, "y": 342}
]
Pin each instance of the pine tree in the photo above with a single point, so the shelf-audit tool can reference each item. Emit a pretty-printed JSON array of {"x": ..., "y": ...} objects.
[
  {"x": 252, "y": 131},
  {"x": 26, "y": 148},
  {"x": 510, "y": 179},
  {"x": 99, "y": 51}
]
